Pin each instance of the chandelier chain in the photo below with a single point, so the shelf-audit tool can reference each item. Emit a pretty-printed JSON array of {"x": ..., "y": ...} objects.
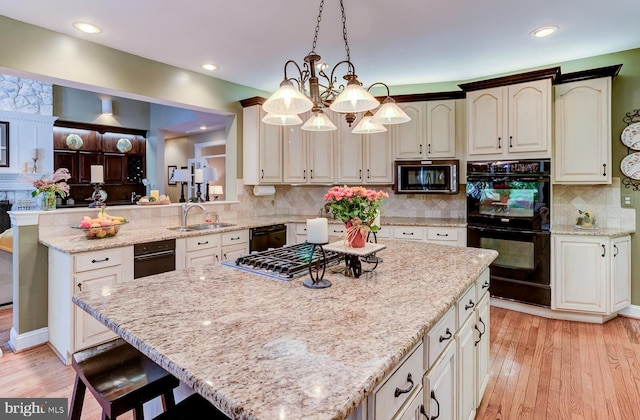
[
  {"x": 315, "y": 36},
  {"x": 344, "y": 31}
]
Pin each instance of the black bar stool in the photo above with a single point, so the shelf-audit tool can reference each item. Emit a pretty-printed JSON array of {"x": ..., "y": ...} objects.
[
  {"x": 121, "y": 379},
  {"x": 193, "y": 407}
]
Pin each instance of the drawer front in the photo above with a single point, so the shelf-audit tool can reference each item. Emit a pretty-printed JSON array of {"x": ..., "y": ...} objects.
[
  {"x": 408, "y": 232},
  {"x": 301, "y": 229},
  {"x": 400, "y": 386},
  {"x": 202, "y": 242},
  {"x": 466, "y": 304},
  {"x": 439, "y": 337},
  {"x": 482, "y": 284},
  {"x": 98, "y": 259},
  {"x": 234, "y": 238},
  {"x": 336, "y": 230},
  {"x": 442, "y": 234},
  {"x": 384, "y": 232}
]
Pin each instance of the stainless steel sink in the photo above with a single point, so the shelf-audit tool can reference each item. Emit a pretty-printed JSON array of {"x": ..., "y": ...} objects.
[{"x": 209, "y": 226}]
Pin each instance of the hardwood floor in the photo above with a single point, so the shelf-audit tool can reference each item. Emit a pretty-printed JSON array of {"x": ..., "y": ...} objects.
[{"x": 540, "y": 369}]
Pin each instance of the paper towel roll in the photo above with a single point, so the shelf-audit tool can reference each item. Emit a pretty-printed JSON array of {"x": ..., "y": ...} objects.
[{"x": 264, "y": 190}]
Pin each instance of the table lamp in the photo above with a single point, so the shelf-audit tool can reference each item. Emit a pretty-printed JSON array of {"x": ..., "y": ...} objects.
[
  {"x": 215, "y": 191},
  {"x": 181, "y": 176},
  {"x": 209, "y": 174}
]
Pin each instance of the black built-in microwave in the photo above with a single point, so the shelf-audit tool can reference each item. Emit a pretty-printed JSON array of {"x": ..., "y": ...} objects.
[{"x": 426, "y": 176}]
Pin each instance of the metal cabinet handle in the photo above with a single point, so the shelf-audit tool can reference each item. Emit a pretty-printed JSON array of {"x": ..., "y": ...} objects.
[
  {"x": 99, "y": 261},
  {"x": 407, "y": 233},
  {"x": 404, "y": 391},
  {"x": 485, "y": 285},
  {"x": 304, "y": 174},
  {"x": 262, "y": 172},
  {"x": 447, "y": 336},
  {"x": 510, "y": 140},
  {"x": 604, "y": 169},
  {"x": 218, "y": 258},
  {"x": 80, "y": 287},
  {"x": 420, "y": 149},
  {"x": 336, "y": 231},
  {"x": 469, "y": 305},
  {"x": 442, "y": 234},
  {"x": 603, "y": 250},
  {"x": 224, "y": 256},
  {"x": 368, "y": 174},
  {"x": 360, "y": 173},
  {"x": 311, "y": 172},
  {"x": 237, "y": 238},
  {"x": 616, "y": 249},
  {"x": 484, "y": 330},
  {"x": 203, "y": 243},
  {"x": 499, "y": 145},
  {"x": 424, "y": 413},
  {"x": 429, "y": 150}
]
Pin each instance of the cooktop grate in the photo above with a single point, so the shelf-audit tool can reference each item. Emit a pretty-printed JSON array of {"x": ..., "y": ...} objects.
[{"x": 284, "y": 263}]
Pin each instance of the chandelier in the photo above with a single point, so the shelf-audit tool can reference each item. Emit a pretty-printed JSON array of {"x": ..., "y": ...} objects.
[{"x": 324, "y": 91}]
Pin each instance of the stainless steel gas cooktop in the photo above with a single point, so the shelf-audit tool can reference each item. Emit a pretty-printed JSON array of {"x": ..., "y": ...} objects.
[{"x": 284, "y": 263}]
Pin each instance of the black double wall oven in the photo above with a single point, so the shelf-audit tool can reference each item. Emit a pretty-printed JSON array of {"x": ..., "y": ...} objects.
[{"x": 508, "y": 206}]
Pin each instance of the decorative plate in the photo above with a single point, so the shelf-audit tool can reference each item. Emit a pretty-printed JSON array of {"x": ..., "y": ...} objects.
[
  {"x": 123, "y": 145},
  {"x": 74, "y": 142},
  {"x": 630, "y": 165},
  {"x": 631, "y": 136}
]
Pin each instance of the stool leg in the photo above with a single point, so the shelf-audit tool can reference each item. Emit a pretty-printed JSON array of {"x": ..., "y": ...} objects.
[
  {"x": 138, "y": 413},
  {"x": 77, "y": 399},
  {"x": 168, "y": 400}
]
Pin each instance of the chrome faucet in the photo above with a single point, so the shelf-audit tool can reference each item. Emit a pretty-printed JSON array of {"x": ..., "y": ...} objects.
[{"x": 185, "y": 210}]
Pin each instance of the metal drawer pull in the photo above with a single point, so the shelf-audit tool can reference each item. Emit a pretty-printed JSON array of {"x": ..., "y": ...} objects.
[
  {"x": 99, "y": 261},
  {"x": 484, "y": 330},
  {"x": 407, "y": 233},
  {"x": 235, "y": 239},
  {"x": 203, "y": 243},
  {"x": 433, "y": 397},
  {"x": 604, "y": 169},
  {"x": 603, "y": 250},
  {"x": 404, "y": 391},
  {"x": 80, "y": 287},
  {"x": 442, "y": 234},
  {"x": 469, "y": 305},
  {"x": 485, "y": 285},
  {"x": 447, "y": 335},
  {"x": 616, "y": 248}
]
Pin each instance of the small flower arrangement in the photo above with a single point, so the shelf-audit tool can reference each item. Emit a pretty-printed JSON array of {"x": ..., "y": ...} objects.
[
  {"x": 351, "y": 203},
  {"x": 56, "y": 184}
]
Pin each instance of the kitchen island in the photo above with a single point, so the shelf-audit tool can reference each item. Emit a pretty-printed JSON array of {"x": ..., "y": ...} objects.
[{"x": 259, "y": 348}]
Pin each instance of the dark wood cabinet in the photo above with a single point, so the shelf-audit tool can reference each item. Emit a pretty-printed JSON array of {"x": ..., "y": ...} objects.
[
  {"x": 85, "y": 160},
  {"x": 67, "y": 159},
  {"x": 114, "y": 172}
]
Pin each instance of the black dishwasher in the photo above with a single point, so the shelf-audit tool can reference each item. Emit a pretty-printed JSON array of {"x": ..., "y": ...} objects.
[
  {"x": 267, "y": 237},
  {"x": 154, "y": 258}
]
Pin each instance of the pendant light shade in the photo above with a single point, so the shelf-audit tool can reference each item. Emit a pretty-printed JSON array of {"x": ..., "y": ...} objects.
[
  {"x": 282, "y": 119},
  {"x": 319, "y": 122},
  {"x": 354, "y": 98},
  {"x": 287, "y": 100},
  {"x": 366, "y": 126},
  {"x": 390, "y": 113}
]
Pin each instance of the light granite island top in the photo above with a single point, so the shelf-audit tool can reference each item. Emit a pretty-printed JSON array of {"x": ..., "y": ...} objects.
[{"x": 259, "y": 348}]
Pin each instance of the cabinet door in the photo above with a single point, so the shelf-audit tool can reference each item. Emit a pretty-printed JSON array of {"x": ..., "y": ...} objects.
[
  {"x": 349, "y": 154},
  {"x": 67, "y": 159},
  {"x": 529, "y": 117},
  {"x": 466, "y": 349},
  {"x": 582, "y": 151},
  {"x": 320, "y": 156},
  {"x": 580, "y": 273},
  {"x": 114, "y": 172},
  {"x": 440, "y": 387},
  {"x": 409, "y": 137},
  {"x": 295, "y": 155},
  {"x": 485, "y": 122},
  {"x": 270, "y": 152},
  {"x": 230, "y": 253},
  {"x": 85, "y": 160},
  {"x": 620, "y": 273},
  {"x": 201, "y": 257},
  {"x": 378, "y": 161},
  {"x": 482, "y": 347},
  {"x": 441, "y": 129},
  {"x": 88, "y": 330}
]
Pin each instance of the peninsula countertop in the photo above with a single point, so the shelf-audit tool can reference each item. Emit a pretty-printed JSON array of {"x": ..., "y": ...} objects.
[{"x": 264, "y": 349}]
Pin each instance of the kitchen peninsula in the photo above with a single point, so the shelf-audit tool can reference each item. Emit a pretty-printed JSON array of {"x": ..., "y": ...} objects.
[{"x": 264, "y": 349}]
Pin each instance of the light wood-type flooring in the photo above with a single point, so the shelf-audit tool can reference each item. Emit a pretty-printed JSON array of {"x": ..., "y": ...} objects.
[{"x": 540, "y": 369}]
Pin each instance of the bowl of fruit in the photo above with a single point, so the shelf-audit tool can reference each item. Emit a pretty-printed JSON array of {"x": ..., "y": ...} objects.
[{"x": 102, "y": 226}]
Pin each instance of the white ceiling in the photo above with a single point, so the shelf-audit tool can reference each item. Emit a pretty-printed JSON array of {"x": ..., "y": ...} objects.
[{"x": 398, "y": 42}]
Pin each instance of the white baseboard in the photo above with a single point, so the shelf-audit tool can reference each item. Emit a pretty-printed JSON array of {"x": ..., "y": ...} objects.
[
  {"x": 549, "y": 313},
  {"x": 631, "y": 311},
  {"x": 20, "y": 342}
]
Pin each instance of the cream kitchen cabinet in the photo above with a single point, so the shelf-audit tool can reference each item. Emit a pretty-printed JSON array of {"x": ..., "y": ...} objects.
[
  {"x": 431, "y": 133},
  {"x": 234, "y": 244},
  {"x": 203, "y": 249},
  {"x": 71, "y": 328},
  {"x": 308, "y": 155},
  {"x": 363, "y": 158},
  {"x": 510, "y": 121},
  {"x": 262, "y": 148},
  {"x": 582, "y": 150},
  {"x": 440, "y": 387},
  {"x": 591, "y": 274},
  {"x": 446, "y": 235}
]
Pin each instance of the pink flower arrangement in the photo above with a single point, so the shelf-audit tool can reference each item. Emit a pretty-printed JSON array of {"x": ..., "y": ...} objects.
[
  {"x": 350, "y": 203},
  {"x": 56, "y": 184}
]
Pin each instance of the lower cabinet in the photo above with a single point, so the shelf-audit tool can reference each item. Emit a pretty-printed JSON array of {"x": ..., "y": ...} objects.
[
  {"x": 591, "y": 273},
  {"x": 72, "y": 329},
  {"x": 207, "y": 249},
  {"x": 440, "y": 387},
  {"x": 234, "y": 244}
]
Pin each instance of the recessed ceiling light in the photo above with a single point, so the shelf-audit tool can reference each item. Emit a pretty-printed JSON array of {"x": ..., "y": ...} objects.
[
  {"x": 210, "y": 67},
  {"x": 87, "y": 28},
  {"x": 544, "y": 31},
  {"x": 203, "y": 127}
]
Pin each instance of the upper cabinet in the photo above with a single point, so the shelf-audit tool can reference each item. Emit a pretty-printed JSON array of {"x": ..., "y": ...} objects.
[
  {"x": 262, "y": 145},
  {"x": 582, "y": 151},
  {"x": 431, "y": 133},
  {"x": 510, "y": 116}
]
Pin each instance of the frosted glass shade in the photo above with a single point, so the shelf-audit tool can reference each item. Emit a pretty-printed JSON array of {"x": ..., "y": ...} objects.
[
  {"x": 287, "y": 100},
  {"x": 210, "y": 174},
  {"x": 390, "y": 113},
  {"x": 354, "y": 99},
  {"x": 181, "y": 175},
  {"x": 282, "y": 119},
  {"x": 366, "y": 126},
  {"x": 319, "y": 122}
]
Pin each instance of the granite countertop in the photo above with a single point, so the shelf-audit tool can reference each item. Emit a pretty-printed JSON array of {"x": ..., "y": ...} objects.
[
  {"x": 266, "y": 349},
  {"x": 129, "y": 235},
  {"x": 597, "y": 231}
]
